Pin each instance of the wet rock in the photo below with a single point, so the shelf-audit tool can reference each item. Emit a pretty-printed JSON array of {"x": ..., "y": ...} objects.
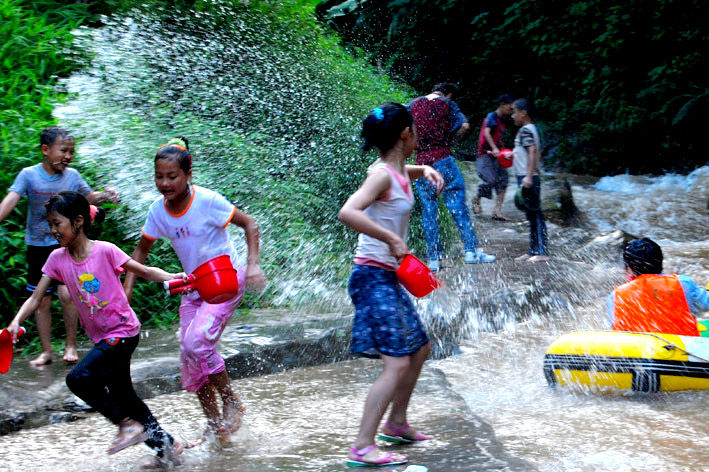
[
  {"x": 558, "y": 202},
  {"x": 604, "y": 246}
]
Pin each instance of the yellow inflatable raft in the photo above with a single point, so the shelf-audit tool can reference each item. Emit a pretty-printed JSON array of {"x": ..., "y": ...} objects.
[{"x": 642, "y": 362}]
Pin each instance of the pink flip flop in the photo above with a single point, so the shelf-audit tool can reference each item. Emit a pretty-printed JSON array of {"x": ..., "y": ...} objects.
[
  {"x": 398, "y": 437},
  {"x": 386, "y": 460}
]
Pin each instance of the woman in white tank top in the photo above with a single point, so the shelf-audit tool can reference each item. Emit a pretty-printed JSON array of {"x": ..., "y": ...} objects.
[{"x": 386, "y": 322}]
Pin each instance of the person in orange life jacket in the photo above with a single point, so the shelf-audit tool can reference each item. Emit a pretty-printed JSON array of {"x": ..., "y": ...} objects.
[{"x": 651, "y": 301}]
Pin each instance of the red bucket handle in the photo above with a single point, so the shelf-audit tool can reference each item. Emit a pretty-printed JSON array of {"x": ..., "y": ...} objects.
[{"x": 176, "y": 286}]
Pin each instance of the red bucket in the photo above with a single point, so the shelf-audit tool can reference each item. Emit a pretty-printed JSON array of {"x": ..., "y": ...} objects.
[
  {"x": 416, "y": 277},
  {"x": 6, "y": 349},
  {"x": 505, "y": 158},
  {"x": 215, "y": 281}
]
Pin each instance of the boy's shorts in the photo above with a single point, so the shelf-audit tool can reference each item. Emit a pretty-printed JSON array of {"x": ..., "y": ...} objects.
[{"x": 36, "y": 258}]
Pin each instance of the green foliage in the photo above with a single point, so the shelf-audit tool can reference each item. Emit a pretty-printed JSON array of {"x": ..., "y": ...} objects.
[
  {"x": 272, "y": 108},
  {"x": 633, "y": 69}
]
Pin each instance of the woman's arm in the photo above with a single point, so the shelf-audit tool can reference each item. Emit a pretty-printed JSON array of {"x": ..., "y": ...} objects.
[
  {"x": 255, "y": 278},
  {"x": 30, "y": 305},
  {"x": 352, "y": 212},
  {"x": 139, "y": 256}
]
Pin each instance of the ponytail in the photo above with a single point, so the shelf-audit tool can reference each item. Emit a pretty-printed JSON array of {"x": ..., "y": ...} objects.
[{"x": 382, "y": 127}]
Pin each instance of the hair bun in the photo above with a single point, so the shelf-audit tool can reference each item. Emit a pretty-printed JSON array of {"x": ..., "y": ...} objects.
[
  {"x": 180, "y": 141},
  {"x": 97, "y": 214}
]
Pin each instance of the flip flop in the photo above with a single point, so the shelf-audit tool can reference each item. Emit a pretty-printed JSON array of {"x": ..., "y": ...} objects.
[
  {"x": 386, "y": 460},
  {"x": 398, "y": 437},
  {"x": 136, "y": 436}
]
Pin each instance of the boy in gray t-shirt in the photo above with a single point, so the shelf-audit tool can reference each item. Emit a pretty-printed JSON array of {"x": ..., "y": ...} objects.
[{"x": 38, "y": 183}]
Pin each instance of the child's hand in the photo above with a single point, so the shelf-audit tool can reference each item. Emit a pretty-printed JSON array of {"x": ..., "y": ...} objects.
[
  {"x": 185, "y": 278},
  {"x": 434, "y": 178},
  {"x": 527, "y": 181},
  {"x": 255, "y": 278},
  {"x": 398, "y": 248},
  {"x": 111, "y": 194},
  {"x": 14, "y": 328}
]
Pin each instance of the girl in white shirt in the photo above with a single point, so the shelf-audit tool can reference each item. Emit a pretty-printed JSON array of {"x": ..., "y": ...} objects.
[{"x": 195, "y": 220}]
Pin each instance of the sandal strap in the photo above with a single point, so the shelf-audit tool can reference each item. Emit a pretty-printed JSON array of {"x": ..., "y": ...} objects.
[
  {"x": 397, "y": 430},
  {"x": 364, "y": 451}
]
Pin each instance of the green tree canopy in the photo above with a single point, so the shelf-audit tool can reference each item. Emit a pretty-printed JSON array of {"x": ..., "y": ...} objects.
[{"x": 618, "y": 85}]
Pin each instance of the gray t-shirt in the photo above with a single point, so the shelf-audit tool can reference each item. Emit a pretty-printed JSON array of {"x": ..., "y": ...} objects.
[
  {"x": 526, "y": 136},
  {"x": 38, "y": 186}
]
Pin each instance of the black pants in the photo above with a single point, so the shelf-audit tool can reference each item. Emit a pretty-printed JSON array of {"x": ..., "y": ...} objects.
[
  {"x": 537, "y": 225},
  {"x": 102, "y": 380}
]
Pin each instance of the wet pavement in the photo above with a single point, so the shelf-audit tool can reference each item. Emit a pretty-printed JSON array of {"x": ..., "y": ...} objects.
[{"x": 35, "y": 396}]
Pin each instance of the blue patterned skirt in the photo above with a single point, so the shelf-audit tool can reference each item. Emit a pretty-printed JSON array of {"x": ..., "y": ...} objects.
[{"x": 385, "y": 320}]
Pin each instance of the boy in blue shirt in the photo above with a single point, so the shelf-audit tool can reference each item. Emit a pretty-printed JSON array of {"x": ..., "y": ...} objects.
[{"x": 38, "y": 183}]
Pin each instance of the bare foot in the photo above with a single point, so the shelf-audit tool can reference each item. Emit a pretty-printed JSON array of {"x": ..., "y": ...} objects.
[
  {"x": 171, "y": 457},
  {"x": 477, "y": 210},
  {"x": 220, "y": 434},
  {"x": 43, "y": 359},
  {"x": 223, "y": 434},
  {"x": 540, "y": 258},
  {"x": 70, "y": 354},
  {"x": 130, "y": 433},
  {"x": 500, "y": 217},
  {"x": 523, "y": 258},
  {"x": 233, "y": 416}
]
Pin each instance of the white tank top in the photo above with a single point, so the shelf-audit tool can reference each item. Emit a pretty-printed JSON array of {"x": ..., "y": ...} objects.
[{"x": 392, "y": 213}]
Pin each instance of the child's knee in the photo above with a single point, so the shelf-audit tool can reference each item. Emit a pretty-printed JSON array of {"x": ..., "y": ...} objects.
[
  {"x": 63, "y": 295},
  {"x": 75, "y": 381},
  {"x": 196, "y": 347},
  {"x": 399, "y": 366}
]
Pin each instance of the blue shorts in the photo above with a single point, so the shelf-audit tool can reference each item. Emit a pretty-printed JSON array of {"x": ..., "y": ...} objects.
[
  {"x": 36, "y": 258},
  {"x": 385, "y": 320}
]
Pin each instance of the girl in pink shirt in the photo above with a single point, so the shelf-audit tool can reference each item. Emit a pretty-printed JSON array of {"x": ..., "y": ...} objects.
[{"x": 90, "y": 269}]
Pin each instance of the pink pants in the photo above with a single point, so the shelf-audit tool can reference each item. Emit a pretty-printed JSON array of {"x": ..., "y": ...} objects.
[{"x": 201, "y": 326}]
